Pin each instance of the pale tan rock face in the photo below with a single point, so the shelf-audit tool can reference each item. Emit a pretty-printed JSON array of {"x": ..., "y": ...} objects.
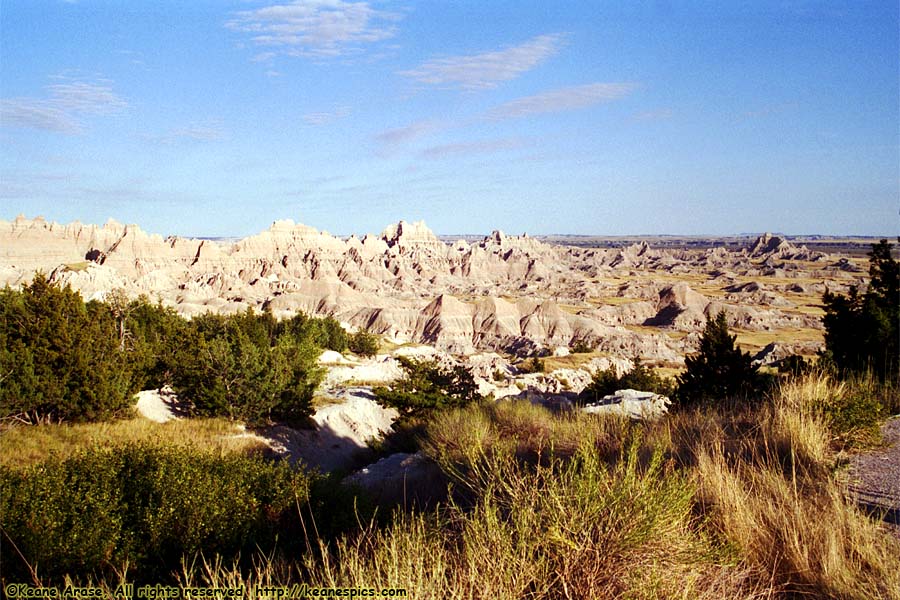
[{"x": 503, "y": 292}]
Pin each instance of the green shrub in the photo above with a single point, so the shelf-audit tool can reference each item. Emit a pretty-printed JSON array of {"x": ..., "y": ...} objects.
[
  {"x": 239, "y": 368},
  {"x": 794, "y": 365},
  {"x": 854, "y": 410},
  {"x": 363, "y": 343},
  {"x": 640, "y": 378},
  {"x": 326, "y": 333},
  {"x": 143, "y": 505},
  {"x": 531, "y": 365},
  {"x": 427, "y": 386},
  {"x": 152, "y": 336},
  {"x": 63, "y": 359},
  {"x": 581, "y": 347}
]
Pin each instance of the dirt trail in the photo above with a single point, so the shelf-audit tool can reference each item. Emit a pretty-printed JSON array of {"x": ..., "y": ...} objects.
[{"x": 875, "y": 476}]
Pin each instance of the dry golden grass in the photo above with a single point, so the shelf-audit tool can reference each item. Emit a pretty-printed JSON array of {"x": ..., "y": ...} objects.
[
  {"x": 612, "y": 300},
  {"x": 814, "y": 310},
  {"x": 25, "y": 445},
  {"x": 77, "y": 266},
  {"x": 652, "y": 330},
  {"x": 757, "y": 340},
  {"x": 669, "y": 372},
  {"x": 572, "y": 361}
]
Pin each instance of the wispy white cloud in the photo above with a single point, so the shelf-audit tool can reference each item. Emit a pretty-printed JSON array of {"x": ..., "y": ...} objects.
[
  {"x": 317, "y": 28},
  {"x": 193, "y": 132},
  {"x": 408, "y": 133},
  {"x": 263, "y": 57},
  {"x": 569, "y": 98},
  {"x": 468, "y": 148},
  {"x": 488, "y": 69},
  {"x": 64, "y": 107},
  {"x": 86, "y": 98},
  {"x": 323, "y": 118},
  {"x": 32, "y": 113}
]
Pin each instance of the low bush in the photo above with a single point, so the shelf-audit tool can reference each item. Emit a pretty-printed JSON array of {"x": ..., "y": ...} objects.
[
  {"x": 581, "y": 347},
  {"x": 62, "y": 359},
  {"x": 142, "y": 506},
  {"x": 850, "y": 410},
  {"x": 640, "y": 378},
  {"x": 363, "y": 343},
  {"x": 531, "y": 365},
  {"x": 427, "y": 386},
  {"x": 235, "y": 374}
]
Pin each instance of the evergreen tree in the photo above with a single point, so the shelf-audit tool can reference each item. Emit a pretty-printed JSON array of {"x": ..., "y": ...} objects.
[
  {"x": 861, "y": 331},
  {"x": 232, "y": 366},
  {"x": 60, "y": 359},
  {"x": 719, "y": 370}
]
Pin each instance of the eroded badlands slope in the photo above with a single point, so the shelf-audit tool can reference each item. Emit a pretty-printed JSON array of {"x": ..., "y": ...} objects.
[{"x": 509, "y": 293}]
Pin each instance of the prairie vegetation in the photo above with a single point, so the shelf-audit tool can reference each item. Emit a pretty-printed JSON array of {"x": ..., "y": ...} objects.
[{"x": 737, "y": 501}]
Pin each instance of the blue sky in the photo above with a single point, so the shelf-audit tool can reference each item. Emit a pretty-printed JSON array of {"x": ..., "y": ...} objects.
[{"x": 216, "y": 117}]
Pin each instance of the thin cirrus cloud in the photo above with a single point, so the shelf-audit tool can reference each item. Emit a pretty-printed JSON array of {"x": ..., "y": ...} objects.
[
  {"x": 407, "y": 133},
  {"x": 469, "y": 148},
  {"x": 194, "y": 132},
  {"x": 563, "y": 99},
  {"x": 64, "y": 108},
  {"x": 488, "y": 69},
  {"x": 314, "y": 28}
]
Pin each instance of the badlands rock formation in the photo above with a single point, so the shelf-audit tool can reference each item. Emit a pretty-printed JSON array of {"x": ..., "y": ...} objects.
[
  {"x": 633, "y": 404},
  {"x": 502, "y": 293}
]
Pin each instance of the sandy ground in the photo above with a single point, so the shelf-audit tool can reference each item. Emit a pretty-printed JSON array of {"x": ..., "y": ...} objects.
[
  {"x": 339, "y": 438},
  {"x": 159, "y": 405}
]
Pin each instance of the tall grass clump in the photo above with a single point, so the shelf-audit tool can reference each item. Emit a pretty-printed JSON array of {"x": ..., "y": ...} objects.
[
  {"x": 574, "y": 527},
  {"x": 532, "y": 433},
  {"x": 849, "y": 411},
  {"x": 772, "y": 494}
]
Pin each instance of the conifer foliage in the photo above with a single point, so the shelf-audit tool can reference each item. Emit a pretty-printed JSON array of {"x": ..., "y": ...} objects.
[
  {"x": 428, "y": 385},
  {"x": 719, "y": 370},
  {"x": 861, "y": 330},
  {"x": 60, "y": 358}
]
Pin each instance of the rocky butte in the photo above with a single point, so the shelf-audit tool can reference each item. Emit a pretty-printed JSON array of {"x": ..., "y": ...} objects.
[{"x": 509, "y": 293}]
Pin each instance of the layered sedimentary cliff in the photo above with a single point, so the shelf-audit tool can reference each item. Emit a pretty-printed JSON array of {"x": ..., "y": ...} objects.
[{"x": 503, "y": 292}]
